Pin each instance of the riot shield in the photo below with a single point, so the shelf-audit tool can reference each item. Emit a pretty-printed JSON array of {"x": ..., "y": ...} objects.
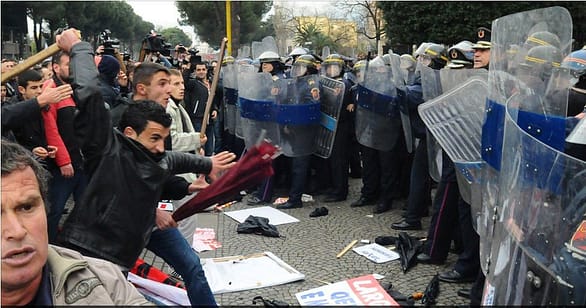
[
  {"x": 378, "y": 123},
  {"x": 230, "y": 88},
  {"x": 332, "y": 97},
  {"x": 523, "y": 125},
  {"x": 297, "y": 114},
  {"x": 243, "y": 52},
  {"x": 325, "y": 52},
  {"x": 432, "y": 88},
  {"x": 241, "y": 69},
  {"x": 455, "y": 120},
  {"x": 399, "y": 80},
  {"x": 451, "y": 78},
  {"x": 256, "y": 107}
]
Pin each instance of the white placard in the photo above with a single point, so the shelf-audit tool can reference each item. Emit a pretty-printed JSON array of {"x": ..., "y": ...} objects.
[
  {"x": 168, "y": 292},
  {"x": 238, "y": 273},
  {"x": 376, "y": 253},
  {"x": 275, "y": 216}
]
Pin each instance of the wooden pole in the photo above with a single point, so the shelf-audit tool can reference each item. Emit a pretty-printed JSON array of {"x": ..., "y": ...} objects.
[
  {"x": 206, "y": 114},
  {"x": 30, "y": 62},
  {"x": 345, "y": 250}
]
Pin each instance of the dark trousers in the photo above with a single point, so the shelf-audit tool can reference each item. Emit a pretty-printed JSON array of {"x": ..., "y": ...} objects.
[
  {"x": 469, "y": 258},
  {"x": 380, "y": 174},
  {"x": 209, "y": 146},
  {"x": 299, "y": 171},
  {"x": 420, "y": 188},
  {"x": 60, "y": 188},
  {"x": 339, "y": 160}
]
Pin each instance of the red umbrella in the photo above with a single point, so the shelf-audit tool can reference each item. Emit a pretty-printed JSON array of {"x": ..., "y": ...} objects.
[{"x": 252, "y": 168}]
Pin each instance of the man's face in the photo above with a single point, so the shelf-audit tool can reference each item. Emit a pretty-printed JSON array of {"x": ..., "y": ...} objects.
[
  {"x": 152, "y": 137},
  {"x": 201, "y": 71},
  {"x": 62, "y": 69},
  {"x": 481, "y": 57},
  {"x": 7, "y": 66},
  {"x": 24, "y": 230},
  {"x": 178, "y": 87},
  {"x": 3, "y": 92},
  {"x": 47, "y": 73},
  {"x": 267, "y": 67},
  {"x": 32, "y": 90},
  {"x": 160, "y": 89}
]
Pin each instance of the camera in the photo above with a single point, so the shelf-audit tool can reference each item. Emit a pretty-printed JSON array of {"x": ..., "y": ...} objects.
[
  {"x": 194, "y": 58},
  {"x": 109, "y": 44},
  {"x": 156, "y": 43}
]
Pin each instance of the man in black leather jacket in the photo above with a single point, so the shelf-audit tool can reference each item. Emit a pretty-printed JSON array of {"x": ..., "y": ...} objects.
[{"x": 126, "y": 169}]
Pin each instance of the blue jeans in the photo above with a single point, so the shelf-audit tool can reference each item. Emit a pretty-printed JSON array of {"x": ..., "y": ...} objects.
[
  {"x": 60, "y": 188},
  {"x": 209, "y": 146},
  {"x": 170, "y": 245}
]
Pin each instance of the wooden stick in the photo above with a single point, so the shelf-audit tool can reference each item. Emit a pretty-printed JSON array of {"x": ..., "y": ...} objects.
[
  {"x": 30, "y": 62},
  {"x": 345, "y": 250},
  {"x": 206, "y": 115}
]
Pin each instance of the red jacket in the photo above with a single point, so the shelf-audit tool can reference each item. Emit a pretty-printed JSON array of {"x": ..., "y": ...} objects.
[{"x": 52, "y": 135}]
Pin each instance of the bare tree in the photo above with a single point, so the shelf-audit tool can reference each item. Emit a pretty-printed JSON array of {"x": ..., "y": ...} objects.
[{"x": 369, "y": 18}]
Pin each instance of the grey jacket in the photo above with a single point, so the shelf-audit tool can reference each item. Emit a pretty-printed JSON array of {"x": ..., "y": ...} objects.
[{"x": 79, "y": 280}]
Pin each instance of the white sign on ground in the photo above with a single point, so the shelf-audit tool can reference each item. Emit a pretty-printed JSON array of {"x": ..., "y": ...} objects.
[
  {"x": 275, "y": 216},
  {"x": 361, "y": 291},
  {"x": 164, "y": 293},
  {"x": 376, "y": 253},
  {"x": 238, "y": 273}
]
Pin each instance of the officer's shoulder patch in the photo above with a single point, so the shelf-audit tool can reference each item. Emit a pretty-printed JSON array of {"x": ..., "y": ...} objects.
[
  {"x": 81, "y": 290},
  {"x": 311, "y": 82}
]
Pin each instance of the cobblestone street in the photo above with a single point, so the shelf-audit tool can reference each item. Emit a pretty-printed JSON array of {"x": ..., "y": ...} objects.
[{"x": 311, "y": 246}]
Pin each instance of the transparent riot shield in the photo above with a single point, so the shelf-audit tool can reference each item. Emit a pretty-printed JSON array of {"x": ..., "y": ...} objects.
[
  {"x": 452, "y": 78},
  {"x": 455, "y": 120},
  {"x": 241, "y": 69},
  {"x": 378, "y": 122},
  {"x": 520, "y": 117},
  {"x": 399, "y": 81},
  {"x": 539, "y": 248},
  {"x": 523, "y": 86},
  {"x": 332, "y": 97},
  {"x": 230, "y": 84},
  {"x": 256, "y": 104},
  {"x": 297, "y": 114},
  {"x": 432, "y": 88},
  {"x": 244, "y": 52}
]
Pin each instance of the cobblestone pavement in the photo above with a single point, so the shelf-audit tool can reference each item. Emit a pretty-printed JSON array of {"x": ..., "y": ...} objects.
[{"x": 311, "y": 246}]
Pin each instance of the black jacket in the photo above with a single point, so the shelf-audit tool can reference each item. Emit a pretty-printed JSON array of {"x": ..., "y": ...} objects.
[
  {"x": 196, "y": 97},
  {"x": 116, "y": 215}
]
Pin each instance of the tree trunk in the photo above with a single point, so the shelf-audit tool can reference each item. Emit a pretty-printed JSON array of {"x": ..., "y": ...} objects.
[{"x": 235, "y": 28}]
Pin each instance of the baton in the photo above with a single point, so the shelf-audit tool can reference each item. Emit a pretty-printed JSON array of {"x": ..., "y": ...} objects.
[
  {"x": 206, "y": 114},
  {"x": 32, "y": 60}
]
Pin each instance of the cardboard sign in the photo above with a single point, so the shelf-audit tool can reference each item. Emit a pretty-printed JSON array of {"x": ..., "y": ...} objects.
[
  {"x": 376, "y": 253},
  {"x": 361, "y": 291}
]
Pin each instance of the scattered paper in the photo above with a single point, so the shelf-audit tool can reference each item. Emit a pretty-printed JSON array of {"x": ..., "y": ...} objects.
[
  {"x": 176, "y": 295},
  {"x": 205, "y": 239},
  {"x": 361, "y": 291},
  {"x": 376, "y": 253},
  {"x": 378, "y": 276},
  {"x": 276, "y": 217},
  {"x": 281, "y": 200}
]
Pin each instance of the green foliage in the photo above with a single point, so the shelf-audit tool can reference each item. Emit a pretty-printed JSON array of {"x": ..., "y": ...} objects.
[
  {"x": 310, "y": 33},
  {"x": 208, "y": 19},
  {"x": 450, "y": 22},
  {"x": 175, "y": 36}
]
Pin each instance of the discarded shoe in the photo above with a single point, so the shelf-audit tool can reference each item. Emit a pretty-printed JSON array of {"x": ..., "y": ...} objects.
[
  {"x": 385, "y": 240},
  {"x": 320, "y": 211},
  {"x": 454, "y": 276},
  {"x": 404, "y": 225},
  {"x": 289, "y": 205}
]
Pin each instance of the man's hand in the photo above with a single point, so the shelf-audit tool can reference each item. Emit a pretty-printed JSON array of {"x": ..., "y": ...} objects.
[
  {"x": 214, "y": 114},
  {"x": 52, "y": 150},
  {"x": 350, "y": 107},
  {"x": 203, "y": 139},
  {"x": 122, "y": 79},
  {"x": 67, "y": 170},
  {"x": 54, "y": 95},
  {"x": 164, "y": 220},
  {"x": 199, "y": 184},
  {"x": 100, "y": 50},
  {"x": 67, "y": 39},
  {"x": 41, "y": 152},
  {"x": 221, "y": 162}
]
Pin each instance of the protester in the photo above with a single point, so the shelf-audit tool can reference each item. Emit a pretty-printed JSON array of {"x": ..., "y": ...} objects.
[{"x": 38, "y": 274}]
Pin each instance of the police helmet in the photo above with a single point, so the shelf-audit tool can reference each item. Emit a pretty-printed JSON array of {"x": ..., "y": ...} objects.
[
  {"x": 304, "y": 65},
  {"x": 540, "y": 60},
  {"x": 434, "y": 56},
  {"x": 359, "y": 66},
  {"x": 543, "y": 38},
  {"x": 227, "y": 60},
  {"x": 333, "y": 65},
  {"x": 420, "y": 50},
  {"x": 461, "y": 55},
  {"x": 575, "y": 62},
  {"x": 297, "y": 51},
  {"x": 483, "y": 38},
  {"x": 269, "y": 56},
  {"x": 408, "y": 62}
]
